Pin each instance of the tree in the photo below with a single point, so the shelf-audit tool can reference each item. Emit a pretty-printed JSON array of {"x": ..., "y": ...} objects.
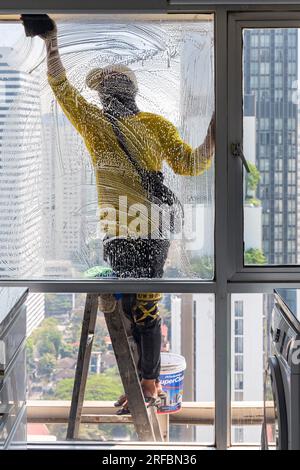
[
  {"x": 66, "y": 350},
  {"x": 75, "y": 325},
  {"x": 45, "y": 346},
  {"x": 48, "y": 333},
  {"x": 252, "y": 178},
  {"x": 203, "y": 266},
  {"x": 31, "y": 366},
  {"x": 46, "y": 364},
  {"x": 100, "y": 387}
]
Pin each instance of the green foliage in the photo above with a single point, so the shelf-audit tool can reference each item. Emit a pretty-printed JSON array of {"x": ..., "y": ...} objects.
[
  {"x": 75, "y": 325},
  {"x": 253, "y": 201},
  {"x": 45, "y": 346},
  {"x": 29, "y": 349},
  {"x": 30, "y": 356},
  {"x": 47, "y": 337},
  {"x": 252, "y": 178},
  {"x": 203, "y": 266},
  {"x": 75, "y": 330},
  {"x": 66, "y": 350},
  {"x": 106, "y": 386},
  {"x": 255, "y": 256},
  {"x": 46, "y": 364}
]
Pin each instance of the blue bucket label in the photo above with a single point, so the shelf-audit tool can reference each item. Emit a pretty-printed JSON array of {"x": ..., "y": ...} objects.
[{"x": 172, "y": 384}]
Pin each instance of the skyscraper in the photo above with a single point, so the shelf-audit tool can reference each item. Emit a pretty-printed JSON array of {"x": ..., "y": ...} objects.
[
  {"x": 64, "y": 161},
  {"x": 20, "y": 180},
  {"x": 270, "y": 73}
]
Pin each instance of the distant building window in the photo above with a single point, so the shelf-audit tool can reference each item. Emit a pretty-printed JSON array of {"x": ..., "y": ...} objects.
[
  {"x": 265, "y": 40},
  {"x": 254, "y": 54},
  {"x": 238, "y": 308},
  {"x": 239, "y": 363},
  {"x": 239, "y": 345},
  {"x": 292, "y": 55},
  {"x": 239, "y": 327},
  {"x": 239, "y": 381},
  {"x": 254, "y": 40},
  {"x": 278, "y": 39},
  {"x": 253, "y": 81},
  {"x": 239, "y": 396}
]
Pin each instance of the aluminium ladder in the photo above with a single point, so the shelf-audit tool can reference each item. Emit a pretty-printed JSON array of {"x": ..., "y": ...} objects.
[{"x": 144, "y": 419}]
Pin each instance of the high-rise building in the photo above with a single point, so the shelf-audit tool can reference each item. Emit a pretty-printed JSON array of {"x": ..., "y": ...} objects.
[
  {"x": 64, "y": 163},
  {"x": 270, "y": 74},
  {"x": 20, "y": 180},
  {"x": 20, "y": 175}
]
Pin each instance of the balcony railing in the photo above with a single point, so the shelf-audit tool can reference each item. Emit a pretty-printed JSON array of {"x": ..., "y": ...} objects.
[{"x": 196, "y": 413}]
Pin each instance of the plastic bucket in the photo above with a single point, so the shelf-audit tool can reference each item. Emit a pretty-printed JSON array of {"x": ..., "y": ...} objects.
[{"x": 172, "y": 377}]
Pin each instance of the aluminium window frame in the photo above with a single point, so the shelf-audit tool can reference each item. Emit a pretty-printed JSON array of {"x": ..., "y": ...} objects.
[
  {"x": 222, "y": 417},
  {"x": 279, "y": 274},
  {"x": 136, "y": 8}
]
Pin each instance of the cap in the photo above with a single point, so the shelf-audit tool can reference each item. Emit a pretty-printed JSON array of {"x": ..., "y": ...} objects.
[{"x": 95, "y": 76}]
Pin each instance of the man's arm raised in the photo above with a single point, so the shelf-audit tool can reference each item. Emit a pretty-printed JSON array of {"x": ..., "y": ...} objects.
[
  {"x": 77, "y": 109},
  {"x": 55, "y": 67},
  {"x": 182, "y": 158}
]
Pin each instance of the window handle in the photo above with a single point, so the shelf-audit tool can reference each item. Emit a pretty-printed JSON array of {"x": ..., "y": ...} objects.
[{"x": 237, "y": 151}]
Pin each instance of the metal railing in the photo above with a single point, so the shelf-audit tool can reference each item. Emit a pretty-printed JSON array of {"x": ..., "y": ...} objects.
[{"x": 102, "y": 412}]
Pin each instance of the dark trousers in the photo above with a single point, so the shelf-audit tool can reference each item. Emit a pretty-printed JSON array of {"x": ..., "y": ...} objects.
[{"x": 141, "y": 258}]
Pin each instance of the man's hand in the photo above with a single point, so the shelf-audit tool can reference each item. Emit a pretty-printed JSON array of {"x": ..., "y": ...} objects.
[
  {"x": 44, "y": 27},
  {"x": 39, "y": 25},
  {"x": 207, "y": 149}
]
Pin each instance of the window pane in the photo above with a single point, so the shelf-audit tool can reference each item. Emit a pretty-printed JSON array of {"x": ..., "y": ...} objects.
[
  {"x": 239, "y": 327},
  {"x": 67, "y": 180},
  {"x": 239, "y": 363},
  {"x": 54, "y": 325},
  {"x": 271, "y": 148}
]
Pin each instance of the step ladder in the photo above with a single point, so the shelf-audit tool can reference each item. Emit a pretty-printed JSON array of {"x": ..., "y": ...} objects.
[{"x": 145, "y": 419}]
